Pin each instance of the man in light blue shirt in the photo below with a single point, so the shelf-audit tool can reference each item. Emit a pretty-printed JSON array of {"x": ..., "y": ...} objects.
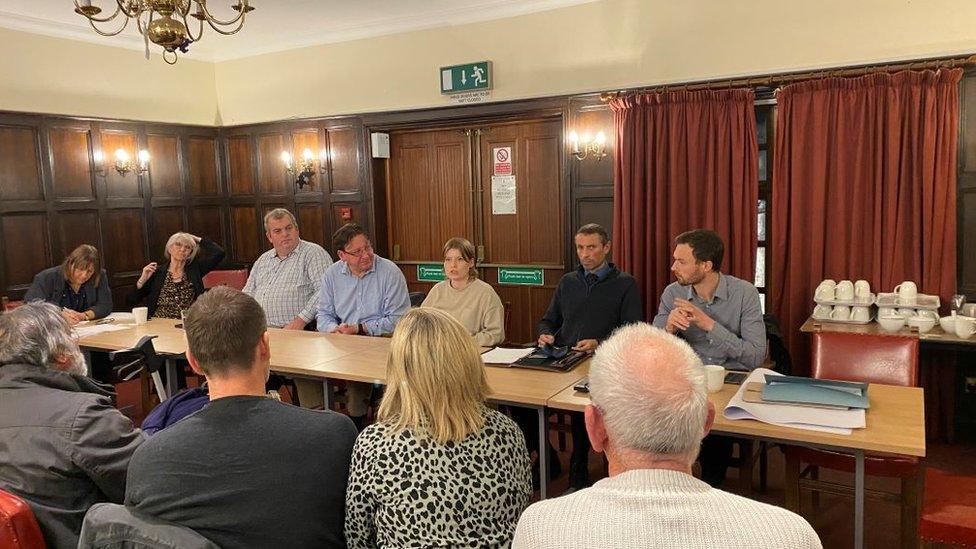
[
  {"x": 360, "y": 294},
  {"x": 719, "y": 316}
]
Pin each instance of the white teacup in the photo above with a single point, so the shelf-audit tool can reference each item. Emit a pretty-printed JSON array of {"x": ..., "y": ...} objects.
[
  {"x": 825, "y": 291},
  {"x": 862, "y": 290},
  {"x": 861, "y": 314},
  {"x": 714, "y": 377},
  {"x": 928, "y": 313},
  {"x": 822, "y": 312},
  {"x": 887, "y": 311},
  {"x": 840, "y": 312},
  {"x": 965, "y": 326},
  {"x": 906, "y": 311},
  {"x": 141, "y": 314},
  {"x": 844, "y": 291},
  {"x": 907, "y": 292}
]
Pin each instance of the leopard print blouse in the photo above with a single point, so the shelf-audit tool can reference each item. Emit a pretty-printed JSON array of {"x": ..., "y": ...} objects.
[{"x": 407, "y": 491}]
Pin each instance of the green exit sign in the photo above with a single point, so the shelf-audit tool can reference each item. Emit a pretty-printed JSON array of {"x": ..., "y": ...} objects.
[
  {"x": 465, "y": 78},
  {"x": 430, "y": 272},
  {"x": 520, "y": 276}
]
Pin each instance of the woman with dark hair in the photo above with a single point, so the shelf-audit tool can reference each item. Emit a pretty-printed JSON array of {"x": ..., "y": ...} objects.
[
  {"x": 168, "y": 290},
  {"x": 79, "y": 286}
]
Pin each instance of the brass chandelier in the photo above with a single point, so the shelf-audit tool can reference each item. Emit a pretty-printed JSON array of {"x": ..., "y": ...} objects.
[{"x": 164, "y": 22}]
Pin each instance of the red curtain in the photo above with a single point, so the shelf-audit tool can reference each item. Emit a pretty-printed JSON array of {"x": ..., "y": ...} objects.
[
  {"x": 864, "y": 186},
  {"x": 683, "y": 160}
]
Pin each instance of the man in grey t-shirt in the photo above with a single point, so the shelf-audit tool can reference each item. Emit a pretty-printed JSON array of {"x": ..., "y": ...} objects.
[
  {"x": 719, "y": 316},
  {"x": 246, "y": 470}
]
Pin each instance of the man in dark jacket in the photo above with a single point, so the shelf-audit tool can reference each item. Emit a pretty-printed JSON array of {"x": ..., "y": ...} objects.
[{"x": 63, "y": 446}]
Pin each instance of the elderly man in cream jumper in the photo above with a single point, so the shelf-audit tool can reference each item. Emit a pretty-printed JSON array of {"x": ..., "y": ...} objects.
[{"x": 649, "y": 413}]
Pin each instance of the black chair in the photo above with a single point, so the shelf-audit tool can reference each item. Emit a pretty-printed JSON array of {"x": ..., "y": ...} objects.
[{"x": 417, "y": 298}]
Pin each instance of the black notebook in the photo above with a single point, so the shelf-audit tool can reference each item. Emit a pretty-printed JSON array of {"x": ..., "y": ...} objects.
[{"x": 540, "y": 361}]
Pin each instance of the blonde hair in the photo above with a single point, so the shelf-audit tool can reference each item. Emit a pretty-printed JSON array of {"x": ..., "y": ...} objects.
[
  {"x": 186, "y": 240},
  {"x": 436, "y": 383},
  {"x": 466, "y": 249},
  {"x": 83, "y": 257}
]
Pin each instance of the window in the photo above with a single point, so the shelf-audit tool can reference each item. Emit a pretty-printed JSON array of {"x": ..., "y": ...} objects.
[{"x": 764, "y": 134}]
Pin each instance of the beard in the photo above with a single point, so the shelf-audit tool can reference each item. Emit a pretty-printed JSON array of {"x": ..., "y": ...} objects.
[{"x": 693, "y": 279}]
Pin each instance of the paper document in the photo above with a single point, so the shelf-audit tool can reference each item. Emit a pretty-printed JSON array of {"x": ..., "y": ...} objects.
[
  {"x": 92, "y": 329},
  {"x": 503, "y": 356},
  {"x": 815, "y": 419}
]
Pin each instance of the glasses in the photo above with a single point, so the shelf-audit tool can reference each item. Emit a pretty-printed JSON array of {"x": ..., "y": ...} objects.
[{"x": 367, "y": 248}]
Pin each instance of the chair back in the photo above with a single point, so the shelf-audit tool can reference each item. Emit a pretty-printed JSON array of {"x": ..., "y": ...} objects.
[
  {"x": 888, "y": 360},
  {"x": 6, "y": 304},
  {"x": 18, "y": 527},
  {"x": 109, "y": 525},
  {"x": 235, "y": 279},
  {"x": 417, "y": 298}
]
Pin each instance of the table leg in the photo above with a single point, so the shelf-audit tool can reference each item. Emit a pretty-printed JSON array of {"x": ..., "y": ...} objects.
[
  {"x": 859, "y": 500},
  {"x": 327, "y": 394},
  {"x": 543, "y": 453},
  {"x": 160, "y": 390}
]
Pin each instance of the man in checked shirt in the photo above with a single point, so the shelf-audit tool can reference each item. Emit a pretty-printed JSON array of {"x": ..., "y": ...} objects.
[{"x": 285, "y": 280}]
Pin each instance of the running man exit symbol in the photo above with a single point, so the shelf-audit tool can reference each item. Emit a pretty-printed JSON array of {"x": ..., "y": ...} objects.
[{"x": 465, "y": 78}]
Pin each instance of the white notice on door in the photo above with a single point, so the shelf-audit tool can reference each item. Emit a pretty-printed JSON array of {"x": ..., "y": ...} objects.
[{"x": 502, "y": 194}]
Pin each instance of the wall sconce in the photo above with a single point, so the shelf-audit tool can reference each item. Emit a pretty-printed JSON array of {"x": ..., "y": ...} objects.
[
  {"x": 124, "y": 163},
  {"x": 596, "y": 147},
  {"x": 306, "y": 166}
]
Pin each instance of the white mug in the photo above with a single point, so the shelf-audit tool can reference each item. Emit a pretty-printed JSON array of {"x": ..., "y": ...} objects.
[
  {"x": 141, "y": 314},
  {"x": 714, "y": 377},
  {"x": 844, "y": 291},
  {"x": 861, "y": 314},
  {"x": 907, "y": 292},
  {"x": 825, "y": 291},
  {"x": 965, "y": 326},
  {"x": 841, "y": 312},
  {"x": 862, "y": 290},
  {"x": 822, "y": 312}
]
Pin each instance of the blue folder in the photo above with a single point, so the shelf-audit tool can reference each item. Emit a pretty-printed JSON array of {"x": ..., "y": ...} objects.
[{"x": 818, "y": 392}]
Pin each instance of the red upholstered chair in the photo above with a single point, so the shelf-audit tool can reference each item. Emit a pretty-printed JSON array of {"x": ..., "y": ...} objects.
[
  {"x": 18, "y": 527},
  {"x": 949, "y": 511},
  {"x": 8, "y": 305},
  {"x": 887, "y": 360},
  {"x": 235, "y": 279}
]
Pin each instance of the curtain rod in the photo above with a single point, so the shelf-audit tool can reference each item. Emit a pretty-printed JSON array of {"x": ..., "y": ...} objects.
[{"x": 776, "y": 80}]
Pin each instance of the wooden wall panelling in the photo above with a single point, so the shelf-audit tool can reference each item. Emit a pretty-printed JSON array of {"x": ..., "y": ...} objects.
[
  {"x": 20, "y": 169},
  {"x": 410, "y": 194},
  {"x": 356, "y": 213},
  {"x": 26, "y": 246},
  {"x": 307, "y": 139},
  {"x": 590, "y": 179},
  {"x": 202, "y": 166},
  {"x": 240, "y": 165},
  {"x": 165, "y": 222},
  {"x": 116, "y": 184},
  {"x": 311, "y": 223},
  {"x": 164, "y": 166},
  {"x": 207, "y": 221},
  {"x": 272, "y": 176},
  {"x": 125, "y": 241},
  {"x": 71, "y": 162},
  {"x": 966, "y": 195},
  {"x": 344, "y": 158},
  {"x": 73, "y": 228},
  {"x": 245, "y": 230}
]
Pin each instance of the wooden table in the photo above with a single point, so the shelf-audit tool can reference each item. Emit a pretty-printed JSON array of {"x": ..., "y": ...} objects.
[
  {"x": 895, "y": 425},
  {"x": 325, "y": 357}
]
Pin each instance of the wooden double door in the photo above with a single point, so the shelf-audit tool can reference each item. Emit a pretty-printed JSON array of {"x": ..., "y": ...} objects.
[{"x": 439, "y": 186}]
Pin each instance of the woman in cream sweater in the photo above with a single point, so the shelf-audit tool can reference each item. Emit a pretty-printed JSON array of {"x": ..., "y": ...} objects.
[{"x": 471, "y": 301}]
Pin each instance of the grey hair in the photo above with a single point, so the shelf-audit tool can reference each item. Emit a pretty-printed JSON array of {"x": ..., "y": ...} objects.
[
  {"x": 38, "y": 335},
  {"x": 650, "y": 388},
  {"x": 278, "y": 213},
  {"x": 185, "y": 239}
]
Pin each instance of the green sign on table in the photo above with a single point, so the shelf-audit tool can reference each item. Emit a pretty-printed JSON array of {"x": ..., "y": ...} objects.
[
  {"x": 465, "y": 78},
  {"x": 520, "y": 276},
  {"x": 430, "y": 272}
]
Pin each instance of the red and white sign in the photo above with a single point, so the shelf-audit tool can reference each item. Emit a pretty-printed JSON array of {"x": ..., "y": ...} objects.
[{"x": 501, "y": 158}]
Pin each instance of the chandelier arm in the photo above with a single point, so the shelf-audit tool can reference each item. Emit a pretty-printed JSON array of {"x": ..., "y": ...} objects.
[
  {"x": 100, "y": 19},
  {"x": 239, "y": 26},
  {"x": 126, "y": 11},
  {"x": 212, "y": 20},
  {"x": 125, "y": 23},
  {"x": 184, "y": 9},
  {"x": 189, "y": 32}
]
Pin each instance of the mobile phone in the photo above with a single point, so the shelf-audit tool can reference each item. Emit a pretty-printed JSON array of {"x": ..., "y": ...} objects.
[{"x": 735, "y": 378}]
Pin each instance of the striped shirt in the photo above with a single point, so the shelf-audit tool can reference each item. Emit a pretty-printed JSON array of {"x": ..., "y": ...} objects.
[{"x": 288, "y": 287}]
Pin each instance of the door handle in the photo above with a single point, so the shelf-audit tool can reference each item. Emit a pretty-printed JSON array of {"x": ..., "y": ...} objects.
[{"x": 396, "y": 252}]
